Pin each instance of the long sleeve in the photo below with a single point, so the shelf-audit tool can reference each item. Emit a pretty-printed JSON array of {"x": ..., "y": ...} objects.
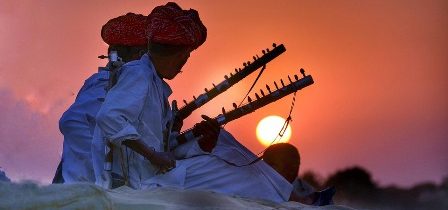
[
  {"x": 76, "y": 131},
  {"x": 74, "y": 120},
  {"x": 118, "y": 117}
]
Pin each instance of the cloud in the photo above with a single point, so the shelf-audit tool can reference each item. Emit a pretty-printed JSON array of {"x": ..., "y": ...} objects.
[{"x": 30, "y": 141}]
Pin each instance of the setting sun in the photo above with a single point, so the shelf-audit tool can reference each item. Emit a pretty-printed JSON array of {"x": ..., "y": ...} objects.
[{"x": 268, "y": 129}]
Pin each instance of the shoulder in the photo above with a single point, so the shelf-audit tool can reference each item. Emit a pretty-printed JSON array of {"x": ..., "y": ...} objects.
[
  {"x": 137, "y": 68},
  {"x": 97, "y": 79},
  {"x": 134, "y": 72},
  {"x": 132, "y": 63}
]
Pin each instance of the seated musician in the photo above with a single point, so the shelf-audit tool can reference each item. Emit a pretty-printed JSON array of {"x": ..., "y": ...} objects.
[{"x": 125, "y": 35}]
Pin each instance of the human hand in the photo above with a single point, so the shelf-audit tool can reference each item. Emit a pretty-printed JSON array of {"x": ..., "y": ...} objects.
[
  {"x": 209, "y": 130},
  {"x": 165, "y": 161},
  {"x": 177, "y": 124}
]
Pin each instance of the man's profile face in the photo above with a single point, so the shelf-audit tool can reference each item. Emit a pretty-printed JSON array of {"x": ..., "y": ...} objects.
[{"x": 175, "y": 66}]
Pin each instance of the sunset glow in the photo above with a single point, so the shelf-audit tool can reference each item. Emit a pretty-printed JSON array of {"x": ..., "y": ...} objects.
[
  {"x": 268, "y": 130},
  {"x": 380, "y": 69}
]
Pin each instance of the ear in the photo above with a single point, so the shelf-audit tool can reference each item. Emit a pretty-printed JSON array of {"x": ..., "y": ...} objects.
[{"x": 142, "y": 52}]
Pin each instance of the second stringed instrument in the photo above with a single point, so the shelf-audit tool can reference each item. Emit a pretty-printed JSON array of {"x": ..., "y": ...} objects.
[
  {"x": 251, "y": 106},
  {"x": 268, "y": 55}
]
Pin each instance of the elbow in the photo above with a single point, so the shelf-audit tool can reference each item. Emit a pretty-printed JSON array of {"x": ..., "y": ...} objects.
[
  {"x": 66, "y": 122},
  {"x": 109, "y": 122}
]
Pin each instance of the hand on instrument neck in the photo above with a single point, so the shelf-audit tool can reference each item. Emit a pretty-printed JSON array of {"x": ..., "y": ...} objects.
[{"x": 209, "y": 130}]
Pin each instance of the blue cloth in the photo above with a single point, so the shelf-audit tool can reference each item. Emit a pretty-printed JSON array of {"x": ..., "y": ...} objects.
[{"x": 77, "y": 125}]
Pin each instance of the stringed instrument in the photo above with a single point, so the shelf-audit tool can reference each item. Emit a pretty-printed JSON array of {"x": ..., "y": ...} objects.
[
  {"x": 268, "y": 55},
  {"x": 253, "y": 105}
]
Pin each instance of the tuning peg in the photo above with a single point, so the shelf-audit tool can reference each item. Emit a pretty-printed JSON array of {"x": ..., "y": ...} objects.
[
  {"x": 239, "y": 69},
  {"x": 302, "y": 71},
  {"x": 244, "y": 64},
  {"x": 283, "y": 84},
  {"x": 274, "y": 45},
  {"x": 249, "y": 99},
  {"x": 289, "y": 78},
  {"x": 262, "y": 93},
  {"x": 231, "y": 74},
  {"x": 235, "y": 106},
  {"x": 257, "y": 96},
  {"x": 214, "y": 85},
  {"x": 205, "y": 89},
  {"x": 226, "y": 77},
  {"x": 236, "y": 70},
  {"x": 255, "y": 58},
  {"x": 276, "y": 86},
  {"x": 268, "y": 88},
  {"x": 267, "y": 50},
  {"x": 185, "y": 102},
  {"x": 264, "y": 52},
  {"x": 194, "y": 97},
  {"x": 296, "y": 77},
  {"x": 223, "y": 111},
  {"x": 248, "y": 62}
]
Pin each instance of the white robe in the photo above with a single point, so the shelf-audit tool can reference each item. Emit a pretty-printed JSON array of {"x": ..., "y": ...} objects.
[
  {"x": 210, "y": 172},
  {"x": 77, "y": 124},
  {"x": 136, "y": 107}
]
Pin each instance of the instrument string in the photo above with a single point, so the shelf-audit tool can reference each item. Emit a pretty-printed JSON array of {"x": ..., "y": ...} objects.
[
  {"x": 284, "y": 127},
  {"x": 251, "y": 88},
  {"x": 280, "y": 134}
]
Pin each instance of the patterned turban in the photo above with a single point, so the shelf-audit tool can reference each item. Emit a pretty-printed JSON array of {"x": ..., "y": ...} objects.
[
  {"x": 170, "y": 24},
  {"x": 128, "y": 30}
]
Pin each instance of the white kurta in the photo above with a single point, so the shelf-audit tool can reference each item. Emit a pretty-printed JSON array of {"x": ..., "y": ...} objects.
[
  {"x": 210, "y": 172},
  {"x": 136, "y": 107},
  {"x": 77, "y": 124}
]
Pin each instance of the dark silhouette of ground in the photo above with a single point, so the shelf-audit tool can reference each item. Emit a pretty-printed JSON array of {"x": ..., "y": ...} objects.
[{"x": 356, "y": 188}]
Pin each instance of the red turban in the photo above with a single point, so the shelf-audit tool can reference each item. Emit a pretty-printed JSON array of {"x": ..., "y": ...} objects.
[
  {"x": 169, "y": 24},
  {"x": 128, "y": 30}
]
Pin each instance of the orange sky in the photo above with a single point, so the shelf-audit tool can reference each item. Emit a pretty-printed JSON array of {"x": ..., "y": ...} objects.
[{"x": 379, "y": 98}]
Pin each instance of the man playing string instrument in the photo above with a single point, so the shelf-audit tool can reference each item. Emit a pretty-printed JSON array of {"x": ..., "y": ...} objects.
[{"x": 136, "y": 111}]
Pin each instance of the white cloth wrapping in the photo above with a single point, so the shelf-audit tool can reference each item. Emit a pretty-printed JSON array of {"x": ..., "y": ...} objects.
[
  {"x": 210, "y": 172},
  {"x": 77, "y": 125},
  {"x": 27, "y": 195}
]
